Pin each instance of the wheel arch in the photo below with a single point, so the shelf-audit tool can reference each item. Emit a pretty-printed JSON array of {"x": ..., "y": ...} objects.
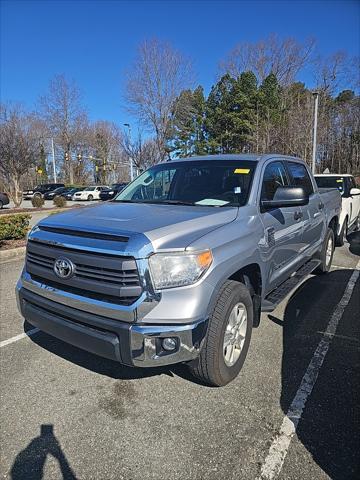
[
  {"x": 250, "y": 275},
  {"x": 334, "y": 224}
]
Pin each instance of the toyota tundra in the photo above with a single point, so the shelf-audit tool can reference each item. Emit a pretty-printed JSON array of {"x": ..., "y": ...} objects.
[{"x": 180, "y": 264}]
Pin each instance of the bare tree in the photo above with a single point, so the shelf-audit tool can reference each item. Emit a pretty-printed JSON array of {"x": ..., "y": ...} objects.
[
  {"x": 143, "y": 152},
  {"x": 155, "y": 81},
  {"x": 284, "y": 58},
  {"x": 19, "y": 148},
  {"x": 335, "y": 70},
  {"x": 62, "y": 110}
]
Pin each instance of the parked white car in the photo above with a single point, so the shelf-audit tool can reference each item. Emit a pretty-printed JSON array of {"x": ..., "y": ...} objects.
[
  {"x": 350, "y": 203},
  {"x": 90, "y": 193}
]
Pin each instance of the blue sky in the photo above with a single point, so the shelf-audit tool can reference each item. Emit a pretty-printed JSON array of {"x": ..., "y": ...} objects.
[{"x": 94, "y": 42}]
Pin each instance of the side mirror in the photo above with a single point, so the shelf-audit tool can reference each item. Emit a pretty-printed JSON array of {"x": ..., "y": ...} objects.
[
  {"x": 287, "y": 197},
  {"x": 354, "y": 192}
]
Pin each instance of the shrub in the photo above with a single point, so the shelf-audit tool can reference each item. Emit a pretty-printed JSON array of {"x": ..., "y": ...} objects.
[
  {"x": 37, "y": 201},
  {"x": 14, "y": 227},
  {"x": 59, "y": 201}
]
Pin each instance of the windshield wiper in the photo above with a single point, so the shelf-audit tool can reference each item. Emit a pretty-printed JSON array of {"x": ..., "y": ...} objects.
[
  {"x": 176, "y": 202},
  {"x": 125, "y": 201}
]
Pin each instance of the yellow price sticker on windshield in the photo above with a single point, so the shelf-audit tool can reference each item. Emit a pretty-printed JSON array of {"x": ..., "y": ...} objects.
[
  {"x": 242, "y": 170},
  {"x": 339, "y": 181}
]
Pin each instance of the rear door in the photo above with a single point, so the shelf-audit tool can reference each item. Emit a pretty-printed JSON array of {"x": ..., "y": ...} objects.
[
  {"x": 282, "y": 240},
  {"x": 354, "y": 202},
  {"x": 313, "y": 214}
]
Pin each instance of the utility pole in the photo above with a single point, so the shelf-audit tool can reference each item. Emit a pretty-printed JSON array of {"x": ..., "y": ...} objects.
[
  {"x": 53, "y": 159},
  {"x": 127, "y": 125},
  {"x": 316, "y": 98}
]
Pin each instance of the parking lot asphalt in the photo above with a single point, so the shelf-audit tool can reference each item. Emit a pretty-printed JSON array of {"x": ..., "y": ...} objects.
[{"x": 69, "y": 414}]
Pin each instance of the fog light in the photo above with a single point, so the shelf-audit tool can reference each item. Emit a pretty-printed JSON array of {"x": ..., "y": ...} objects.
[{"x": 169, "y": 344}]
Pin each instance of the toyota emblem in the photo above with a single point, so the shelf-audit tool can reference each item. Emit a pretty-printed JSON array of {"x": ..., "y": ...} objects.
[{"x": 64, "y": 268}]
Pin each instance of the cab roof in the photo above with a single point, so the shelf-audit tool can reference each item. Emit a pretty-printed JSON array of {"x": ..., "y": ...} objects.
[{"x": 239, "y": 156}]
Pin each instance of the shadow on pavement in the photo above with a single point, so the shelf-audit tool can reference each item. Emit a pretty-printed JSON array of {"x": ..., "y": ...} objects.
[
  {"x": 29, "y": 463},
  {"x": 330, "y": 425},
  {"x": 354, "y": 243}
]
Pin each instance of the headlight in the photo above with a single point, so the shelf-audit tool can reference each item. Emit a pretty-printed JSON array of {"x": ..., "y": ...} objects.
[{"x": 169, "y": 270}]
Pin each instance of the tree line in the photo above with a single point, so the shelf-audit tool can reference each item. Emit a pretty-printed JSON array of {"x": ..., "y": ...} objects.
[{"x": 256, "y": 105}]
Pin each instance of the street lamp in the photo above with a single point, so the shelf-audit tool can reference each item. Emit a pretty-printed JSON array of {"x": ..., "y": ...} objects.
[
  {"x": 316, "y": 98},
  {"x": 53, "y": 159},
  {"x": 127, "y": 125}
]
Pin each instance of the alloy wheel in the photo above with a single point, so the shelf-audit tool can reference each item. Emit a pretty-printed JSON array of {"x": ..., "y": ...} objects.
[{"x": 235, "y": 334}]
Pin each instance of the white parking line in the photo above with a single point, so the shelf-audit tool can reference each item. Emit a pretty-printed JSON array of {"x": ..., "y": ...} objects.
[
  {"x": 279, "y": 447},
  {"x": 18, "y": 337}
]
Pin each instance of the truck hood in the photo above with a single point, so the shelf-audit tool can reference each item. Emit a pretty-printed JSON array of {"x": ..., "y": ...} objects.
[{"x": 165, "y": 226}]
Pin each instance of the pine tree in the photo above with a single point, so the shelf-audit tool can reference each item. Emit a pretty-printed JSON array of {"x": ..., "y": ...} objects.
[
  {"x": 268, "y": 114},
  {"x": 244, "y": 112},
  {"x": 219, "y": 116},
  {"x": 188, "y": 136}
]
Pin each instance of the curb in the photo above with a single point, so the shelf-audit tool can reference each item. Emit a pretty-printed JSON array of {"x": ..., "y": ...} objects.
[{"x": 12, "y": 253}]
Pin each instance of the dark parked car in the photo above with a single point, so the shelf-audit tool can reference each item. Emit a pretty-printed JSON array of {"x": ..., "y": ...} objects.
[
  {"x": 40, "y": 190},
  {"x": 4, "y": 199},
  {"x": 70, "y": 192},
  {"x": 53, "y": 193},
  {"x": 112, "y": 191}
]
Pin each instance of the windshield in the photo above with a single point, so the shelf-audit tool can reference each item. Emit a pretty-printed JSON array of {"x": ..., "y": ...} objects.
[
  {"x": 214, "y": 183},
  {"x": 331, "y": 182},
  {"x": 90, "y": 189}
]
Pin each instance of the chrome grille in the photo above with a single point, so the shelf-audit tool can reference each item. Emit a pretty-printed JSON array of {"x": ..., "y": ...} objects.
[{"x": 105, "y": 275}]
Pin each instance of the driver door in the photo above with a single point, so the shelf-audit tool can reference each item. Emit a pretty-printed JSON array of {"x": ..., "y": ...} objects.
[{"x": 283, "y": 228}]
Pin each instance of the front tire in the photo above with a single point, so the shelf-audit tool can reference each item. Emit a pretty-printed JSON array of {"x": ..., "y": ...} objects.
[
  {"x": 90, "y": 197},
  {"x": 357, "y": 224},
  {"x": 228, "y": 337},
  {"x": 1, "y": 204},
  {"x": 327, "y": 252}
]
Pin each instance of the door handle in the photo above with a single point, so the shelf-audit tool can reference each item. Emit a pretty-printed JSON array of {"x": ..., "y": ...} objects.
[
  {"x": 321, "y": 206},
  {"x": 298, "y": 215}
]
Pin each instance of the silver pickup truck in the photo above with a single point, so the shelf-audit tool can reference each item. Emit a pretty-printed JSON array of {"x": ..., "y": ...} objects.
[{"x": 179, "y": 266}]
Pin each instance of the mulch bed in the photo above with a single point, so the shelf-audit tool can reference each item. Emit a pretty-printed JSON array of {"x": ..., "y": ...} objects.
[
  {"x": 11, "y": 211},
  {"x": 8, "y": 244}
]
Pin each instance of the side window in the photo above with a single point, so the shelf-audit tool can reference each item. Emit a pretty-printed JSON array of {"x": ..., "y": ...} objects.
[
  {"x": 274, "y": 177},
  {"x": 300, "y": 177}
]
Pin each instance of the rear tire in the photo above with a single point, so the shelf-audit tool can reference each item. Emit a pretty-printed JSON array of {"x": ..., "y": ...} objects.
[
  {"x": 342, "y": 235},
  {"x": 327, "y": 252},
  {"x": 1, "y": 204},
  {"x": 228, "y": 336}
]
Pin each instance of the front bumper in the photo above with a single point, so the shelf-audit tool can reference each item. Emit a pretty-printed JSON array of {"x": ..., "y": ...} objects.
[{"x": 132, "y": 344}]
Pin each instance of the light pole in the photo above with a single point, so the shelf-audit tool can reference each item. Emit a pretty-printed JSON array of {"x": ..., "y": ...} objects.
[
  {"x": 127, "y": 125},
  {"x": 53, "y": 159},
  {"x": 316, "y": 98}
]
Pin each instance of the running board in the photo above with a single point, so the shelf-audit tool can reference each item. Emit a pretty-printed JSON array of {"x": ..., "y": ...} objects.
[{"x": 277, "y": 296}]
